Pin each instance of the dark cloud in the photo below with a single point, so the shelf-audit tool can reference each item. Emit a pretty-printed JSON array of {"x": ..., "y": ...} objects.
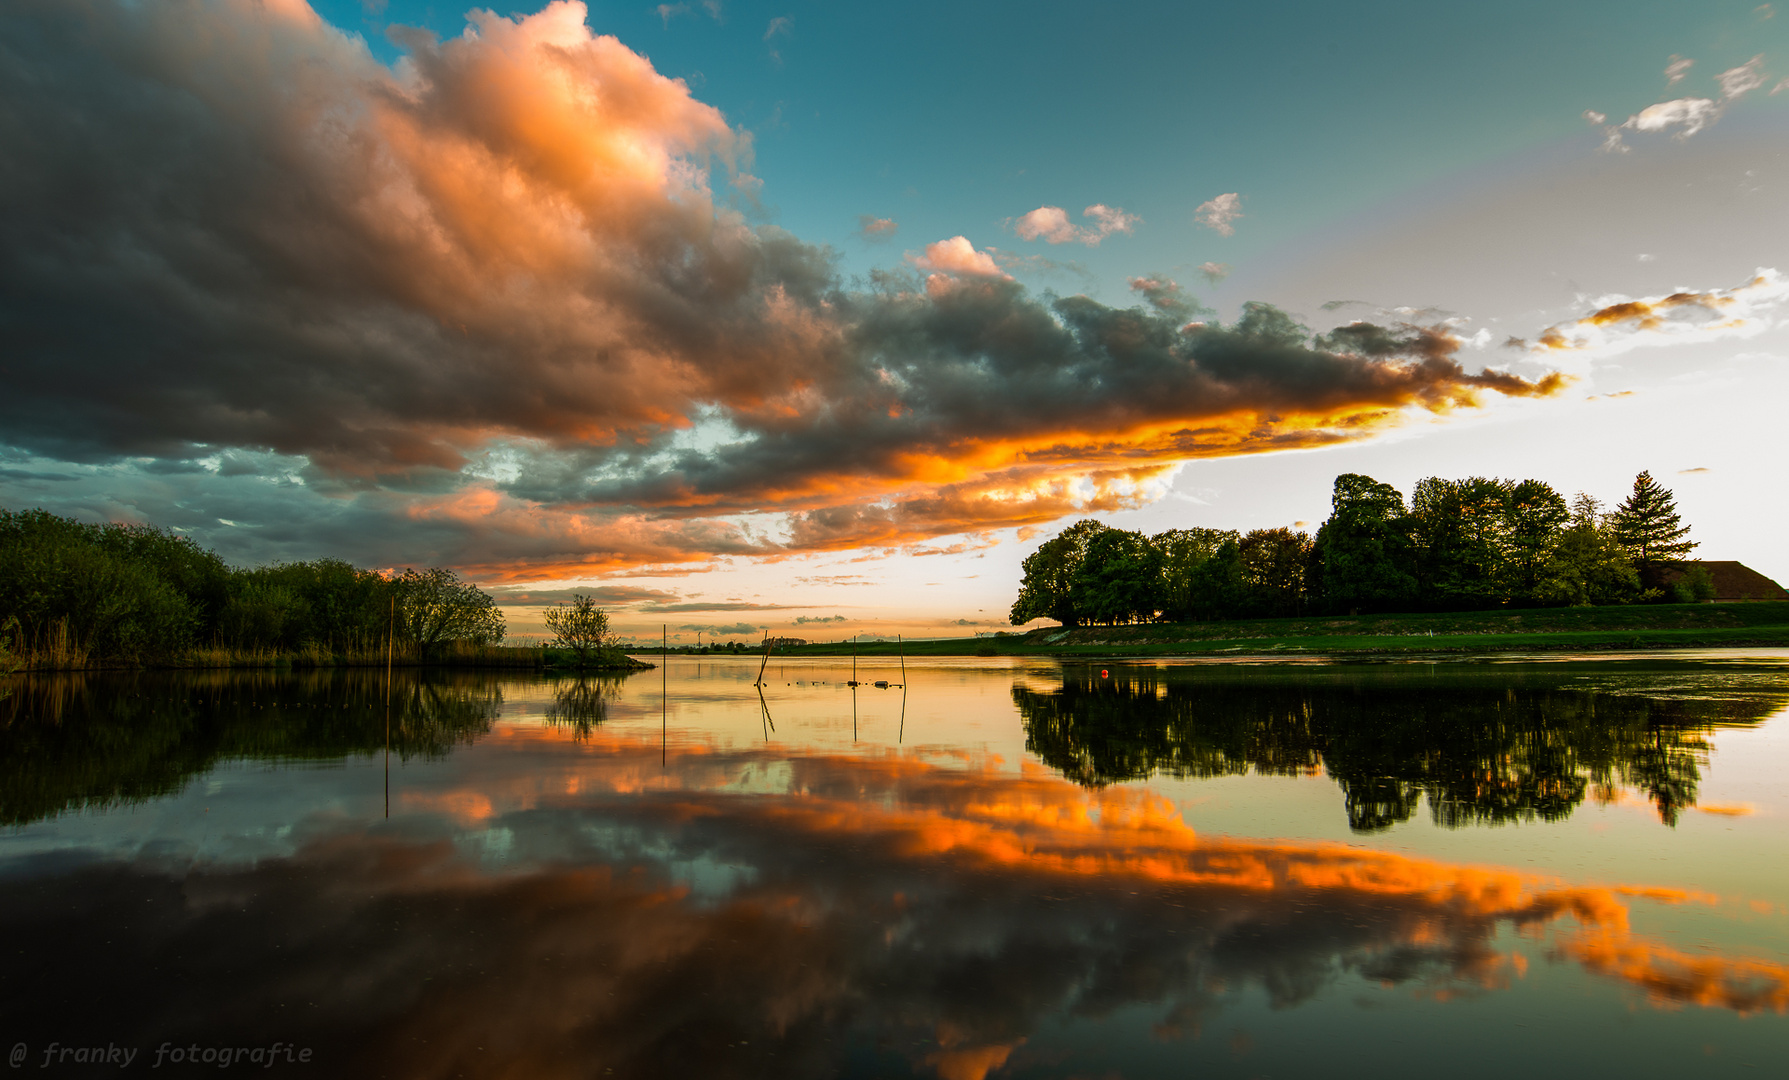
[
  {"x": 719, "y": 606},
  {"x": 729, "y": 630},
  {"x": 474, "y": 298},
  {"x": 606, "y": 595}
]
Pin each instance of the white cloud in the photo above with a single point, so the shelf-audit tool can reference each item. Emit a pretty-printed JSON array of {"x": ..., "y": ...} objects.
[
  {"x": 1690, "y": 114},
  {"x": 1051, "y": 225},
  {"x": 1743, "y": 79},
  {"x": 779, "y": 27},
  {"x": 1685, "y": 116},
  {"x": 1214, "y": 272},
  {"x": 1620, "y": 324},
  {"x": 1218, "y": 213}
]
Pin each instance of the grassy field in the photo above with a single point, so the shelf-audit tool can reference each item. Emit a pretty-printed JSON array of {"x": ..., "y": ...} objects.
[{"x": 1651, "y": 626}]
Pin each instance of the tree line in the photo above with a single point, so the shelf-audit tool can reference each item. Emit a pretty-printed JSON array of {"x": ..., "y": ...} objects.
[
  {"x": 73, "y": 593},
  {"x": 1456, "y": 545}
]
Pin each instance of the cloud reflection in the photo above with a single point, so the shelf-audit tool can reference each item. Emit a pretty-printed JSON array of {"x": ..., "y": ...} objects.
[{"x": 935, "y": 917}]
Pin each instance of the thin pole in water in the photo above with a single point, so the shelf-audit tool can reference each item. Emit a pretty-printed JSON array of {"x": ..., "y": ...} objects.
[
  {"x": 766, "y": 660},
  {"x": 901, "y": 735},
  {"x": 664, "y": 697},
  {"x": 391, "y": 621}
]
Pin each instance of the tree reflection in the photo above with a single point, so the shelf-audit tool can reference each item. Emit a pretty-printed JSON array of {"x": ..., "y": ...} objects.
[
  {"x": 1520, "y": 748},
  {"x": 581, "y": 704},
  {"x": 69, "y": 742}
]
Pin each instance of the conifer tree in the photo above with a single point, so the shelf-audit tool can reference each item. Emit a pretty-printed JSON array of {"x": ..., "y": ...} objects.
[{"x": 1648, "y": 526}]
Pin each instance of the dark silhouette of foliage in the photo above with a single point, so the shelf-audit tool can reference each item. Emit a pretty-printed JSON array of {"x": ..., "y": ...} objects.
[
  {"x": 1650, "y": 530},
  {"x": 1051, "y": 573},
  {"x": 1520, "y": 747},
  {"x": 1365, "y": 552},
  {"x": 79, "y": 593},
  {"x": 434, "y": 607},
  {"x": 1460, "y": 545}
]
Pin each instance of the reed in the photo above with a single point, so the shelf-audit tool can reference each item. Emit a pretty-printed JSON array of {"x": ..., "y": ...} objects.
[{"x": 58, "y": 650}]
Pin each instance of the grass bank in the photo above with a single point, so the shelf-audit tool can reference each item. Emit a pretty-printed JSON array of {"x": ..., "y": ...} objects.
[
  {"x": 455, "y": 654},
  {"x": 1651, "y": 626}
]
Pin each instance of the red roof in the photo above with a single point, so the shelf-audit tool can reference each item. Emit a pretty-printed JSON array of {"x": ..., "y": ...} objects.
[{"x": 1732, "y": 580}]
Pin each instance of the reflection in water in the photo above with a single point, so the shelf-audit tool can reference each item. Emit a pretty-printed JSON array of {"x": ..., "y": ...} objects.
[
  {"x": 585, "y": 897},
  {"x": 884, "y": 917},
  {"x": 580, "y": 704},
  {"x": 1520, "y": 748},
  {"x": 75, "y": 741}
]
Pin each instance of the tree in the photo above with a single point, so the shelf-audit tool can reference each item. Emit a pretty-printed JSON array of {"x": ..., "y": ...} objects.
[
  {"x": 1459, "y": 534},
  {"x": 1537, "y": 520},
  {"x": 1181, "y": 552},
  {"x": 1217, "y": 586},
  {"x": 434, "y": 607},
  {"x": 1363, "y": 549},
  {"x": 1649, "y": 529},
  {"x": 1047, "y": 591},
  {"x": 1274, "y": 562},
  {"x": 1588, "y": 565},
  {"x": 1118, "y": 579},
  {"x": 580, "y": 626}
]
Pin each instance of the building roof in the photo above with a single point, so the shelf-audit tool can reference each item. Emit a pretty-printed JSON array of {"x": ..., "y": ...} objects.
[{"x": 1732, "y": 580}]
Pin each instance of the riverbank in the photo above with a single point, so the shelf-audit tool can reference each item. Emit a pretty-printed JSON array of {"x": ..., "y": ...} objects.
[
  {"x": 449, "y": 655},
  {"x": 1651, "y": 626}
]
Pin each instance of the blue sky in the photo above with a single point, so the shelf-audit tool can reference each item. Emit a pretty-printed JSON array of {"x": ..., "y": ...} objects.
[
  {"x": 500, "y": 301},
  {"x": 951, "y": 118}
]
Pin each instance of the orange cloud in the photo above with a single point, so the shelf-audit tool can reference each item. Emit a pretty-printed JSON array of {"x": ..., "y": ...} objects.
[{"x": 490, "y": 296}]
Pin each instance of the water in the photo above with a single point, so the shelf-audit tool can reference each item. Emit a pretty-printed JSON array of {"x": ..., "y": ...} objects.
[{"x": 999, "y": 869}]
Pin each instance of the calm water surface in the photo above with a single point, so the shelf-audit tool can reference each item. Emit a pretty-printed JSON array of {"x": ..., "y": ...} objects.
[{"x": 999, "y": 869}]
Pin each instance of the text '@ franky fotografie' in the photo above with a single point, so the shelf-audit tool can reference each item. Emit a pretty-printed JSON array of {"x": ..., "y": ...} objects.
[{"x": 222, "y": 1057}]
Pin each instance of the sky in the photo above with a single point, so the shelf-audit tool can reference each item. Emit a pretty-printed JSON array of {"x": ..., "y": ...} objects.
[{"x": 815, "y": 320}]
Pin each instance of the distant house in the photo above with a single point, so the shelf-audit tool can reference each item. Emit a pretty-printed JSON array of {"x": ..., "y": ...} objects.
[
  {"x": 1733, "y": 581},
  {"x": 785, "y": 642}
]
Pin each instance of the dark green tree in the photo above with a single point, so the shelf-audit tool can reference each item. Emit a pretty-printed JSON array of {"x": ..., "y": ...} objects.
[
  {"x": 1364, "y": 550},
  {"x": 1181, "y": 553},
  {"x": 1217, "y": 588},
  {"x": 1588, "y": 565},
  {"x": 1458, "y": 531},
  {"x": 1118, "y": 579},
  {"x": 1274, "y": 565},
  {"x": 1537, "y": 521},
  {"x": 1650, "y": 530},
  {"x": 1047, "y": 589}
]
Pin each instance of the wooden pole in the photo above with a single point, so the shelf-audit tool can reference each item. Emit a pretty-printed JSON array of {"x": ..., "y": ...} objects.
[
  {"x": 391, "y": 621},
  {"x": 664, "y": 697},
  {"x": 766, "y": 660}
]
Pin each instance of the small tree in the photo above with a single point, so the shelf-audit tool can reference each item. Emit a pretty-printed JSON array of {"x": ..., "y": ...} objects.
[
  {"x": 1649, "y": 529},
  {"x": 580, "y": 626}
]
